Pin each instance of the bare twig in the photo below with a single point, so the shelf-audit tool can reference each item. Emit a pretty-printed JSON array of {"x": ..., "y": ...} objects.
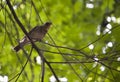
[{"x": 72, "y": 62}]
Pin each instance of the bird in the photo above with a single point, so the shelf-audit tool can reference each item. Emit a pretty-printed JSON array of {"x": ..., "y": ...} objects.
[{"x": 36, "y": 34}]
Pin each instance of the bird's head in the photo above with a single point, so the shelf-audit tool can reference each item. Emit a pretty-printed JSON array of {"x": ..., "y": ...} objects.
[{"x": 47, "y": 25}]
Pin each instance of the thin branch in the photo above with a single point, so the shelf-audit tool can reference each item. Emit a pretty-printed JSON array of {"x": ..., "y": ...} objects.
[
  {"x": 13, "y": 77},
  {"x": 66, "y": 54},
  {"x": 72, "y": 62},
  {"x": 92, "y": 71},
  {"x": 108, "y": 66},
  {"x": 31, "y": 66},
  {"x": 44, "y": 10},
  {"x": 115, "y": 80},
  {"x": 43, "y": 71},
  {"x": 36, "y": 11},
  {"x": 77, "y": 50},
  {"x": 23, "y": 68},
  {"x": 99, "y": 37}
]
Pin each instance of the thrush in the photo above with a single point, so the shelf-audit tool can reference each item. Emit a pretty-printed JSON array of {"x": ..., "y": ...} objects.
[{"x": 36, "y": 34}]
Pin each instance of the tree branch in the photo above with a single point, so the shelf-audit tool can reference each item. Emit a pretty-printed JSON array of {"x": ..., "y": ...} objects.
[{"x": 25, "y": 32}]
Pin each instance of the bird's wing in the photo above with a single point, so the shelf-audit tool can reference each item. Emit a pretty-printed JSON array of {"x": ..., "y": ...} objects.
[{"x": 35, "y": 29}]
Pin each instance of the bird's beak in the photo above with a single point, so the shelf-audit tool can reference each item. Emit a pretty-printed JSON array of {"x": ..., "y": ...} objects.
[{"x": 50, "y": 23}]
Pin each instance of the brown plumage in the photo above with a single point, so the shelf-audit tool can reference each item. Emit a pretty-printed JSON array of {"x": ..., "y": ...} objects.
[{"x": 36, "y": 34}]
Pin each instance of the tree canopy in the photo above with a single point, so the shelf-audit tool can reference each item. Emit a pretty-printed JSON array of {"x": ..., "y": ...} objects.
[{"x": 82, "y": 44}]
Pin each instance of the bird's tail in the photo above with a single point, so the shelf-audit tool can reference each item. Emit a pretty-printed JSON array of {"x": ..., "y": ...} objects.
[{"x": 17, "y": 48}]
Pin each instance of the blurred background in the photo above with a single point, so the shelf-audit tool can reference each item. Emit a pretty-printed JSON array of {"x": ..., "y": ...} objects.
[{"x": 82, "y": 45}]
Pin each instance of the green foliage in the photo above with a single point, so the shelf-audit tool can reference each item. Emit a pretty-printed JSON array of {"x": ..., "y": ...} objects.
[{"x": 74, "y": 28}]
